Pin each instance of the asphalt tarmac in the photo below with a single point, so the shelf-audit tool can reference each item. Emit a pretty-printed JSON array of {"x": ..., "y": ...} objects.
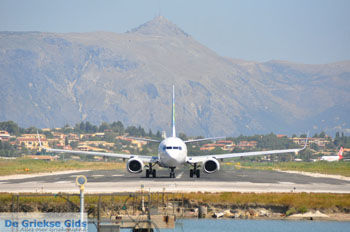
[{"x": 237, "y": 180}]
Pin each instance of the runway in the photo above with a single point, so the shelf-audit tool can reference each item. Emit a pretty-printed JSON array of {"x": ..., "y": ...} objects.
[{"x": 238, "y": 180}]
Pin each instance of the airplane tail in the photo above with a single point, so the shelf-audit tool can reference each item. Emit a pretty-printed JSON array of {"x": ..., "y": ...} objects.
[
  {"x": 340, "y": 153},
  {"x": 40, "y": 145},
  {"x": 173, "y": 114}
]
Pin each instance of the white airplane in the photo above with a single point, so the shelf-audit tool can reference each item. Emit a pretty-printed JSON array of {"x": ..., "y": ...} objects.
[
  {"x": 172, "y": 153},
  {"x": 332, "y": 158}
]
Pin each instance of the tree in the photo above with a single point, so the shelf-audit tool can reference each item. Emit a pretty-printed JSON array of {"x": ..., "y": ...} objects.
[
  {"x": 183, "y": 136},
  {"x": 31, "y": 130},
  {"x": 150, "y": 133},
  {"x": 104, "y": 126},
  {"x": 322, "y": 134},
  {"x": 337, "y": 135},
  {"x": 118, "y": 127},
  {"x": 10, "y": 127}
]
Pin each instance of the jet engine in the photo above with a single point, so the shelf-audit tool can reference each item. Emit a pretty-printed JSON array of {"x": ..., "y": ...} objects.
[
  {"x": 134, "y": 165},
  {"x": 211, "y": 165}
]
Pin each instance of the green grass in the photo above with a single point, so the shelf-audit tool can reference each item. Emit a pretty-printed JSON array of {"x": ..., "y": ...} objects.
[
  {"x": 334, "y": 168},
  {"x": 297, "y": 200},
  {"x": 301, "y": 202},
  {"x": 25, "y": 166}
]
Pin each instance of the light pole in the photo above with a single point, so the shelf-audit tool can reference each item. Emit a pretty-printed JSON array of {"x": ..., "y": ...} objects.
[{"x": 80, "y": 182}]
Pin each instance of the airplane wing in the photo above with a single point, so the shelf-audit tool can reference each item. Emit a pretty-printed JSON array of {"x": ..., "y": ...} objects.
[
  {"x": 197, "y": 159},
  {"x": 144, "y": 139},
  {"x": 144, "y": 158}
]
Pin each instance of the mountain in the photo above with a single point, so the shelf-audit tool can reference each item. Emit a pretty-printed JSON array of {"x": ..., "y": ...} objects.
[{"x": 50, "y": 79}]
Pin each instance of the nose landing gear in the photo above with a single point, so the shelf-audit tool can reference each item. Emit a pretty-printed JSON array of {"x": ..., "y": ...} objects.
[{"x": 172, "y": 172}]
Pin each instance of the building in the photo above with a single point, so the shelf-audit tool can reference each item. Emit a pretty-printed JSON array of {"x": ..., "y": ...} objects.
[
  {"x": 4, "y": 136},
  {"x": 247, "y": 144},
  {"x": 281, "y": 136},
  {"x": 32, "y": 142},
  {"x": 35, "y": 136},
  {"x": 134, "y": 142},
  {"x": 226, "y": 145},
  {"x": 321, "y": 142},
  {"x": 210, "y": 146}
]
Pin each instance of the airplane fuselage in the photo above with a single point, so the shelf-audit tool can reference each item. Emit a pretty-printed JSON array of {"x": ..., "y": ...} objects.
[
  {"x": 172, "y": 152},
  {"x": 330, "y": 158}
]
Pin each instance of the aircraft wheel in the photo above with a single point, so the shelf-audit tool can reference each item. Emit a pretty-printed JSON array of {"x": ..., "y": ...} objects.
[
  {"x": 147, "y": 173},
  {"x": 154, "y": 173},
  {"x": 198, "y": 173},
  {"x": 191, "y": 173}
]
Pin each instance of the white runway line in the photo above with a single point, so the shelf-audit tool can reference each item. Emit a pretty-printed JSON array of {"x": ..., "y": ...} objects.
[
  {"x": 23, "y": 176},
  {"x": 119, "y": 175},
  {"x": 180, "y": 175},
  {"x": 63, "y": 182}
]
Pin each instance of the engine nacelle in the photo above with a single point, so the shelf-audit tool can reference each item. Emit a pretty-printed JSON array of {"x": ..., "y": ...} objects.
[
  {"x": 211, "y": 165},
  {"x": 134, "y": 165}
]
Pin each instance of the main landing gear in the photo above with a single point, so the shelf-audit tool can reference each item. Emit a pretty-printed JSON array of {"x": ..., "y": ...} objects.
[
  {"x": 195, "y": 171},
  {"x": 172, "y": 172},
  {"x": 150, "y": 171}
]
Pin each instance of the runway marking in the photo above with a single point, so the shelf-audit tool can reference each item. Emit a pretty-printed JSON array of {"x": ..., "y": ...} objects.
[
  {"x": 97, "y": 175},
  {"x": 119, "y": 175},
  {"x": 63, "y": 182},
  {"x": 180, "y": 175}
]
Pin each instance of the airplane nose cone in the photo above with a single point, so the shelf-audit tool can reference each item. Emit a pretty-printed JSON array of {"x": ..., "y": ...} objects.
[{"x": 172, "y": 154}]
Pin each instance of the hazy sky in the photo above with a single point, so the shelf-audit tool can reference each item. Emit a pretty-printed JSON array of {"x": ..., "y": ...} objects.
[{"x": 305, "y": 31}]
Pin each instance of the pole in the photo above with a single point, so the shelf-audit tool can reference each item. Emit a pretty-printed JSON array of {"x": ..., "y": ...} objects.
[
  {"x": 81, "y": 205},
  {"x": 142, "y": 199}
]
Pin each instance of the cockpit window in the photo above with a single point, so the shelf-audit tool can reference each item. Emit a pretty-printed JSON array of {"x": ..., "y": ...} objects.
[{"x": 172, "y": 148}]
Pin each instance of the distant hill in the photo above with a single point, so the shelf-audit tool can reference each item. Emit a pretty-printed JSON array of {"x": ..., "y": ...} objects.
[{"x": 50, "y": 79}]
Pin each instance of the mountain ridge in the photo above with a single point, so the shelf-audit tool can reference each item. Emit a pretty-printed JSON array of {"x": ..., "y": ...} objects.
[{"x": 60, "y": 78}]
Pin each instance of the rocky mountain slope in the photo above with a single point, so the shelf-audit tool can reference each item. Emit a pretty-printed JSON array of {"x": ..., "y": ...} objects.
[{"x": 50, "y": 79}]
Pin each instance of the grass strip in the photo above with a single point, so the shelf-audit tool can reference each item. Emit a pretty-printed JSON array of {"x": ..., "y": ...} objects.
[
  {"x": 27, "y": 166},
  {"x": 320, "y": 201},
  {"x": 330, "y": 168}
]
